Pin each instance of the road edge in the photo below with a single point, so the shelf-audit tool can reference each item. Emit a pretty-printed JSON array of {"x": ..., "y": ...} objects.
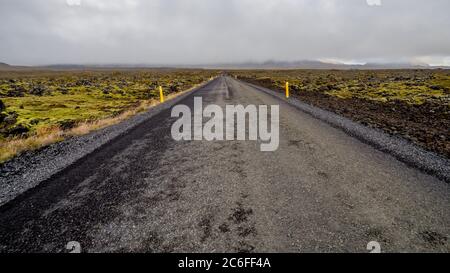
[
  {"x": 401, "y": 149},
  {"x": 29, "y": 169}
]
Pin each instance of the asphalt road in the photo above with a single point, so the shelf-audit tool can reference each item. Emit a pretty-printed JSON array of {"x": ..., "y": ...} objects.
[{"x": 321, "y": 191}]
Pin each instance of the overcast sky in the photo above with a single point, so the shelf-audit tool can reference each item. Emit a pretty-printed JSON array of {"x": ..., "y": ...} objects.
[{"x": 223, "y": 31}]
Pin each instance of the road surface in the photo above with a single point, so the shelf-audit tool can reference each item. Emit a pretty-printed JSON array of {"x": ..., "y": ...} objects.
[{"x": 321, "y": 191}]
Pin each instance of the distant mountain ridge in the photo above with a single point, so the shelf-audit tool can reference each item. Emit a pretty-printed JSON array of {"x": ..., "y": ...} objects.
[
  {"x": 8, "y": 67},
  {"x": 303, "y": 64},
  {"x": 312, "y": 64}
]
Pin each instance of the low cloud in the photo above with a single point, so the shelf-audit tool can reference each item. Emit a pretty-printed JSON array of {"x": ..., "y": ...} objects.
[
  {"x": 374, "y": 2},
  {"x": 222, "y": 31},
  {"x": 73, "y": 2}
]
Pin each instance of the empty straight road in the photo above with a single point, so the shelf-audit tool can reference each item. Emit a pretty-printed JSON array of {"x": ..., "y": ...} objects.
[{"x": 321, "y": 191}]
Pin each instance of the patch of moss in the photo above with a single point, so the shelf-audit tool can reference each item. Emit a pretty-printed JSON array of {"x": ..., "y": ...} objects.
[{"x": 64, "y": 98}]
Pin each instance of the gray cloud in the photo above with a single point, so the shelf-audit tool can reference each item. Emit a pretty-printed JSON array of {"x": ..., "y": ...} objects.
[{"x": 211, "y": 31}]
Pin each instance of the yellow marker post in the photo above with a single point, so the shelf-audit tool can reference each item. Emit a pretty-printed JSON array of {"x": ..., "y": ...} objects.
[
  {"x": 161, "y": 95},
  {"x": 287, "y": 89}
]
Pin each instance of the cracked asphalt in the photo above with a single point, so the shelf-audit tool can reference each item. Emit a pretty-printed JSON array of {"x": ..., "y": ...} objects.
[{"x": 321, "y": 191}]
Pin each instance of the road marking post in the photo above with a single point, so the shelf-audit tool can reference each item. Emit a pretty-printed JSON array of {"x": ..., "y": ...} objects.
[
  {"x": 287, "y": 89},
  {"x": 161, "y": 95}
]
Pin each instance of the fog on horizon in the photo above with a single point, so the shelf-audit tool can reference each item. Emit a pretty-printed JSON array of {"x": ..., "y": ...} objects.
[{"x": 36, "y": 32}]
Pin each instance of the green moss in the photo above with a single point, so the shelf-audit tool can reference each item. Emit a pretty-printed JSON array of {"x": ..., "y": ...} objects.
[{"x": 71, "y": 97}]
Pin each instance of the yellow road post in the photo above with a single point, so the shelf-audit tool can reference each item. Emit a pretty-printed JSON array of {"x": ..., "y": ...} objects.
[
  {"x": 287, "y": 89},
  {"x": 161, "y": 95}
]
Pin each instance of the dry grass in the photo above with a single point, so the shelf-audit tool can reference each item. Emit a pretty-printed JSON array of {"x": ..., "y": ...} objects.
[
  {"x": 87, "y": 127},
  {"x": 47, "y": 135},
  {"x": 44, "y": 136}
]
